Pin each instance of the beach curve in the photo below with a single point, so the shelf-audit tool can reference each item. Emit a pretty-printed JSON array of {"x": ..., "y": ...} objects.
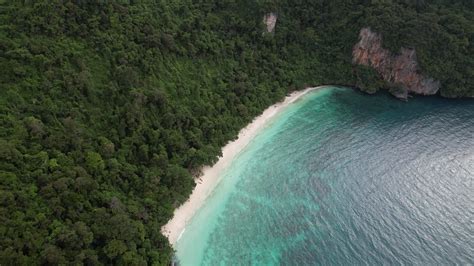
[{"x": 211, "y": 175}]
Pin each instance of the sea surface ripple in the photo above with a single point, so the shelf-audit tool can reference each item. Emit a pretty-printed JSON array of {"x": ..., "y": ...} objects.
[{"x": 344, "y": 178}]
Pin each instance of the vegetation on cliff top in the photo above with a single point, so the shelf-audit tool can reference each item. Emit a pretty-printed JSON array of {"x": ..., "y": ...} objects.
[{"x": 107, "y": 109}]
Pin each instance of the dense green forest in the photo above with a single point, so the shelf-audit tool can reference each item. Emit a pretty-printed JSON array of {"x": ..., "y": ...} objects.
[{"x": 108, "y": 108}]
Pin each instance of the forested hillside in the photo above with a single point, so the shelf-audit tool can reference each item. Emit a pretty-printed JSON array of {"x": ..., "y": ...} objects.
[{"x": 108, "y": 108}]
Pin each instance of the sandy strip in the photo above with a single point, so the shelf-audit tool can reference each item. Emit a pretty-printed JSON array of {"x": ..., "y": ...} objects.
[{"x": 211, "y": 175}]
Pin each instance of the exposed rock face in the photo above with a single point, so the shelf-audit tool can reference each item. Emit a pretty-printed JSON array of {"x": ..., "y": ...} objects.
[
  {"x": 399, "y": 70},
  {"x": 270, "y": 20}
]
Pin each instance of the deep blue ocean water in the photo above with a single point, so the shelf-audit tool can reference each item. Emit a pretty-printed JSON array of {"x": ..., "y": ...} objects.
[{"x": 344, "y": 178}]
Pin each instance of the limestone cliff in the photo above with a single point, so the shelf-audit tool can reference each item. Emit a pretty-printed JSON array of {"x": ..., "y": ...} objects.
[
  {"x": 399, "y": 70},
  {"x": 270, "y": 20}
]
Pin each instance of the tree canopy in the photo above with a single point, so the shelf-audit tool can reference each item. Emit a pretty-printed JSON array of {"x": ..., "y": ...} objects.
[{"x": 108, "y": 108}]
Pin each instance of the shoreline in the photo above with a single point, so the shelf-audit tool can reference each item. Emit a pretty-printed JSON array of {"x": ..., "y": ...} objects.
[{"x": 211, "y": 175}]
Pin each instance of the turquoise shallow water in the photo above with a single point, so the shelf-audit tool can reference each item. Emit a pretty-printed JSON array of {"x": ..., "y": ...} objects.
[{"x": 344, "y": 178}]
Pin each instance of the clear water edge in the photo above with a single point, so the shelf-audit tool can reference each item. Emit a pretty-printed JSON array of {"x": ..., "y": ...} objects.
[{"x": 343, "y": 178}]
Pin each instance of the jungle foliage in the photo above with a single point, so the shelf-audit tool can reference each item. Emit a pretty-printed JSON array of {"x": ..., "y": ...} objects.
[{"x": 108, "y": 108}]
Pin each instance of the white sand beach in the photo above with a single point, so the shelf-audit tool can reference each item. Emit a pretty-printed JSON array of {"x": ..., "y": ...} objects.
[{"x": 211, "y": 175}]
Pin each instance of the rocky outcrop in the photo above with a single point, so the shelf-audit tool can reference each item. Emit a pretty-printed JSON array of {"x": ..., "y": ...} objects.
[
  {"x": 401, "y": 70},
  {"x": 270, "y": 20}
]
